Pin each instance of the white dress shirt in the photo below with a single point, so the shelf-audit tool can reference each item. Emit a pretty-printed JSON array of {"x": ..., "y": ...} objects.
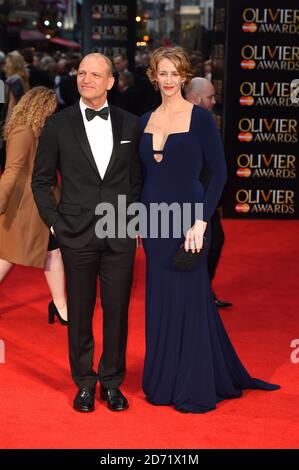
[{"x": 100, "y": 137}]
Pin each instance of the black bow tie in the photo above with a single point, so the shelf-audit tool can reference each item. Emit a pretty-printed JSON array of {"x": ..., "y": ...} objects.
[{"x": 91, "y": 113}]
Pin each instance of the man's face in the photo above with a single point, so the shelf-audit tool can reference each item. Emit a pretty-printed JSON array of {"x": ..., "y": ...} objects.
[
  {"x": 93, "y": 78},
  {"x": 36, "y": 61},
  {"x": 206, "y": 99},
  {"x": 120, "y": 64}
]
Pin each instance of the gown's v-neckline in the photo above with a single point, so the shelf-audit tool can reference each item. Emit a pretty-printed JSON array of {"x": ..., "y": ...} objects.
[{"x": 169, "y": 134}]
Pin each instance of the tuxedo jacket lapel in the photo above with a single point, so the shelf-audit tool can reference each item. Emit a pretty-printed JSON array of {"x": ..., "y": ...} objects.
[
  {"x": 78, "y": 128},
  {"x": 116, "y": 123}
]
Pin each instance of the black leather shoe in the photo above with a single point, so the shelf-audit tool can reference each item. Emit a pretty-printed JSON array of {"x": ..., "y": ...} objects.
[
  {"x": 221, "y": 303},
  {"x": 84, "y": 400},
  {"x": 116, "y": 401}
]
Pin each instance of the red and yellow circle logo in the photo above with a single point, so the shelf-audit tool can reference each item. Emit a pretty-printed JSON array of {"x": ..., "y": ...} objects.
[
  {"x": 246, "y": 100},
  {"x": 248, "y": 64},
  {"x": 244, "y": 172},
  {"x": 249, "y": 27},
  {"x": 245, "y": 137},
  {"x": 242, "y": 208}
]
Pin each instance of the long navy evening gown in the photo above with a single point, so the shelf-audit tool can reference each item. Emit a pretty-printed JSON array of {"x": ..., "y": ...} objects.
[{"x": 190, "y": 362}]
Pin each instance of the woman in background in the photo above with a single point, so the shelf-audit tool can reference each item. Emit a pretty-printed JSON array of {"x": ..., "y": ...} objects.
[
  {"x": 16, "y": 84},
  {"x": 17, "y": 80},
  {"x": 24, "y": 238}
]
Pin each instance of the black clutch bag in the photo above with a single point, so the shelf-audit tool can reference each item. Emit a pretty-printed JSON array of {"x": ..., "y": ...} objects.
[{"x": 185, "y": 260}]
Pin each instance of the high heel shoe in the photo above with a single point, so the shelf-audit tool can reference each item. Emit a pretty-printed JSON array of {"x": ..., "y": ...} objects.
[{"x": 52, "y": 312}]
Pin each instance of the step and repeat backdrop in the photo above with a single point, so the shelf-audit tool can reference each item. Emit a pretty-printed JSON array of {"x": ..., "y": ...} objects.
[
  {"x": 109, "y": 27},
  {"x": 256, "y": 76}
]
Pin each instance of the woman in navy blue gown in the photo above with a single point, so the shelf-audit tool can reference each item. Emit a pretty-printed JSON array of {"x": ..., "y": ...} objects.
[{"x": 190, "y": 362}]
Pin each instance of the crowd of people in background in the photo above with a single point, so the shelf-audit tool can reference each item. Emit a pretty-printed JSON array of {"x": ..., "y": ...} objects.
[
  {"x": 27, "y": 68},
  {"x": 132, "y": 91}
]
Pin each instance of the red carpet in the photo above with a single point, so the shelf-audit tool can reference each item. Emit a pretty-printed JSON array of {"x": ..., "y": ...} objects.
[{"x": 259, "y": 272}]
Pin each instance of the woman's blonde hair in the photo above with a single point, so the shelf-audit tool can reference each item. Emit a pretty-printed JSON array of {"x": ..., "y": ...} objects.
[
  {"x": 16, "y": 65},
  {"x": 177, "y": 55},
  {"x": 32, "y": 110}
]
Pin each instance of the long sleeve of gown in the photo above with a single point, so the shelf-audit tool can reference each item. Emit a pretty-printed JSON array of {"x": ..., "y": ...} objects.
[{"x": 211, "y": 143}]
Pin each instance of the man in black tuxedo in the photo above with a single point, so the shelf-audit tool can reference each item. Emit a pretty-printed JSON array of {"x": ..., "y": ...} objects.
[{"x": 94, "y": 147}]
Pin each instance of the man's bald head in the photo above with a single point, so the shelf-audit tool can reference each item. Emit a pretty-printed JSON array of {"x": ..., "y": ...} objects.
[
  {"x": 98, "y": 57},
  {"x": 201, "y": 92}
]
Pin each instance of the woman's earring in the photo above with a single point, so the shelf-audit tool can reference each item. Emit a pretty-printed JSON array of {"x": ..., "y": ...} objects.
[
  {"x": 156, "y": 87},
  {"x": 182, "y": 84}
]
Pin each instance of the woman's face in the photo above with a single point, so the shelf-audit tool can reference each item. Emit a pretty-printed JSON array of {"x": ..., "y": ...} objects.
[
  {"x": 168, "y": 78},
  {"x": 8, "y": 67}
]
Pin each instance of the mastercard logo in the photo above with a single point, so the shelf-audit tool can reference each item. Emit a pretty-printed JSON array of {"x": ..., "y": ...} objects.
[
  {"x": 246, "y": 100},
  {"x": 249, "y": 27},
  {"x": 242, "y": 208},
  {"x": 244, "y": 172},
  {"x": 245, "y": 137},
  {"x": 248, "y": 64}
]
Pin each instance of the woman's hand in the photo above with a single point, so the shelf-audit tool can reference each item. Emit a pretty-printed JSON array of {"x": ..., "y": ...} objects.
[{"x": 194, "y": 236}]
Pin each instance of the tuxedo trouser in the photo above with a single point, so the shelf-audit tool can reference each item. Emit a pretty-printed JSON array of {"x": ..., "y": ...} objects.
[
  {"x": 217, "y": 241},
  {"x": 115, "y": 271}
]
